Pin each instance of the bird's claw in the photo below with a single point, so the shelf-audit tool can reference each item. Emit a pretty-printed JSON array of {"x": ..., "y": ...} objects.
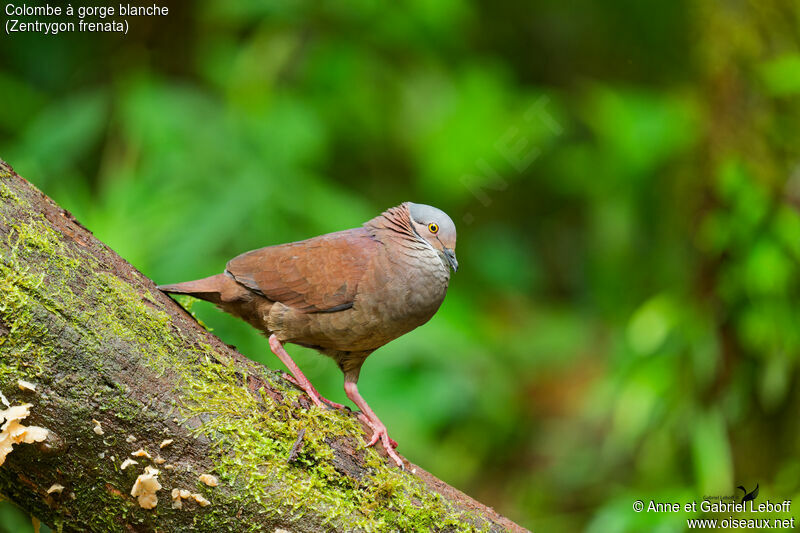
[
  {"x": 380, "y": 434},
  {"x": 376, "y": 429},
  {"x": 331, "y": 404},
  {"x": 290, "y": 379}
]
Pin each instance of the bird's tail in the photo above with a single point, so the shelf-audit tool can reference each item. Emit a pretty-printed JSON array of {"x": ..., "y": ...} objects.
[{"x": 216, "y": 289}]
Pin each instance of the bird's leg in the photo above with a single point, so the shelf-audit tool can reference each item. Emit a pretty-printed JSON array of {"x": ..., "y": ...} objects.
[
  {"x": 298, "y": 378},
  {"x": 374, "y": 422},
  {"x": 291, "y": 379}
]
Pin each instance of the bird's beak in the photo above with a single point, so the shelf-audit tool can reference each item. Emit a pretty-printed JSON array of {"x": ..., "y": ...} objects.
[{"x": 451, "y": 258}]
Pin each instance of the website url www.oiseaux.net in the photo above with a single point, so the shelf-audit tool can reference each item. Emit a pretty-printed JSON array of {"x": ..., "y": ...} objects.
[{"x": 740, "y": 523}]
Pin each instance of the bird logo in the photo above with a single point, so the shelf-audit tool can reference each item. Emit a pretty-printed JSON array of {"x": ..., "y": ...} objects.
[{"x": 748, "y": 496}]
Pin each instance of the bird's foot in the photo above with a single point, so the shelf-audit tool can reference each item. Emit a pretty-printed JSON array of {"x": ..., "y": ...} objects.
[
  {"x": 364, "y": 418},
  {"x": 333, "y": 404},
  {"x": 311, "y": 391},
  {"x": 372, "y": 420},
  {"x": 380, "y": 434},
  {"x": 291, "y": 379}
]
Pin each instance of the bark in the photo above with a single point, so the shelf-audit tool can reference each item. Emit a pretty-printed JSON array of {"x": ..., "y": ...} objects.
[{"x": 101, "y": 343}]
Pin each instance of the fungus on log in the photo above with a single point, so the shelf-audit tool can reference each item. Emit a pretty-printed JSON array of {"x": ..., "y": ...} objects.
[{"x": 132, "y": 408}]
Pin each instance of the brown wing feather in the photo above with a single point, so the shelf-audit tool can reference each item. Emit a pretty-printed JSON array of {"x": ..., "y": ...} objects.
[{"x": 315, "y": 275}]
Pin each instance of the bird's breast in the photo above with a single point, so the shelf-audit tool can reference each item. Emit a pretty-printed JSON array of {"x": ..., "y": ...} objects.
[{"x": 403, "y": 291}]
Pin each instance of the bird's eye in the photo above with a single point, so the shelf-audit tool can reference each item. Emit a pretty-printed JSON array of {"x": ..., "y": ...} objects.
[{"x": 433, "y": 227}]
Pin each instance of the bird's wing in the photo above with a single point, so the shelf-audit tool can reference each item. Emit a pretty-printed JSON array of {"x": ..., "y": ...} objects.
[{"x": 316, "y": 275}]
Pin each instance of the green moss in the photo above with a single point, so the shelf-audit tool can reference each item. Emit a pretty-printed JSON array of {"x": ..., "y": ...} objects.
[
  {"x": 255, "y": 436},
  {"x": 251, "y": 436},
  {"x": 21, "y": 355},
  {"x": 117, "y": 402},
  {"x": 116, "y": 506},
  {"x": 8, "y": 194}
]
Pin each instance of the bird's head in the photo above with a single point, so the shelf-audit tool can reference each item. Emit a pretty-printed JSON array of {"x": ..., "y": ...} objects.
[{"x": 437, "y": 229}]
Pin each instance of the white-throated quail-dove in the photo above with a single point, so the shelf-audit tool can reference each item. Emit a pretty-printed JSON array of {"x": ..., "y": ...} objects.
[{"x": 345, "y": 294}]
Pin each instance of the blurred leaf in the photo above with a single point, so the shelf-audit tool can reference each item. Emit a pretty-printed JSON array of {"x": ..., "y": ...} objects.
[
  {"x": 27, "y": 101},
  {"x": 650, "y": 325},
  {"x": 787, "y": 228},
  {"x": 774, "y": 381},
  {"x": 767, "y": 269},
  {"x": 711, "y": 454},
  {"x": 500, "y": 260},
  {"x": 639, "y": 401},
  {"x": 14, "y": 520},
  {"x": 441, "y": 118},
  {"x": 781, "y": 75},
  {"x": 61, "y": 135},
  {"x": 641, "y": 129}
]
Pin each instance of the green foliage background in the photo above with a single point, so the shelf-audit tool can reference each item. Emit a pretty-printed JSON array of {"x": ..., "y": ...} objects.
[{"x": 624, "y": 177}]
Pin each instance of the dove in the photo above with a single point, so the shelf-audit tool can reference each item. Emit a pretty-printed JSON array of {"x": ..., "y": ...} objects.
[{"x": 344, "y": 294}]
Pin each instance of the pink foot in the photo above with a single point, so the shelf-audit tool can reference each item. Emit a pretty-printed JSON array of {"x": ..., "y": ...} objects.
[
  {"x": 293, "y": 381},
  {"x": 379, "y": 430},
  {"x": 367, "y": 421},
  {"x": 367, "y": 415}
]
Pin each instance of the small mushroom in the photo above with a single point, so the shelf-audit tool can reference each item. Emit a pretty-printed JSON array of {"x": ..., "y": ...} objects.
[
  {"x": 55, "y": 487},
  {"x": 145, "y": 488},
  {"x": 26, "y": 385},
  {"x": 209, "y": 480},
  {"x": 141, "y": 452},
  {"x": 13, "y": 432},
  {"x": 202, "y": 502}
]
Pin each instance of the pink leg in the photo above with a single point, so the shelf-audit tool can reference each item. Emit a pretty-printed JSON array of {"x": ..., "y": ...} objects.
[
  {"x": 299, "y": 379},
  {"x": 292, "y": 380},
  {"x": 374, "y": 422}
]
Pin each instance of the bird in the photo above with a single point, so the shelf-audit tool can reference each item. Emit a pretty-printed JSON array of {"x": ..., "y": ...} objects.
[
  {"x": 748, "y": 496},
  {"x": 344, "y": 294}
]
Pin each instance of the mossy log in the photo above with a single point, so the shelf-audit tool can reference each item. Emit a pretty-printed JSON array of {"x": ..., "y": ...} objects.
[{"x": 119, "y": 367}]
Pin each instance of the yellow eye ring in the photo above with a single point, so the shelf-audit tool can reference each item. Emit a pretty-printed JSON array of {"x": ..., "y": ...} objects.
[{"x": 433, "y": 227}]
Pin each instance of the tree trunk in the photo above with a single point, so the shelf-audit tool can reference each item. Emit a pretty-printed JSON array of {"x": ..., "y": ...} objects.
[{"x": 119, "y": 367}]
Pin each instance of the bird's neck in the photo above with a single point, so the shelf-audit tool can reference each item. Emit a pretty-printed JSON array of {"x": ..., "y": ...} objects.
[
  {"x": 394, "y": 225},
  {"x": 394, "y": 221}
]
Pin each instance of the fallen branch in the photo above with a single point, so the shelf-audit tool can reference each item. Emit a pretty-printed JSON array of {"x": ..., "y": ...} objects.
[{"x": 117, "y": 373}]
